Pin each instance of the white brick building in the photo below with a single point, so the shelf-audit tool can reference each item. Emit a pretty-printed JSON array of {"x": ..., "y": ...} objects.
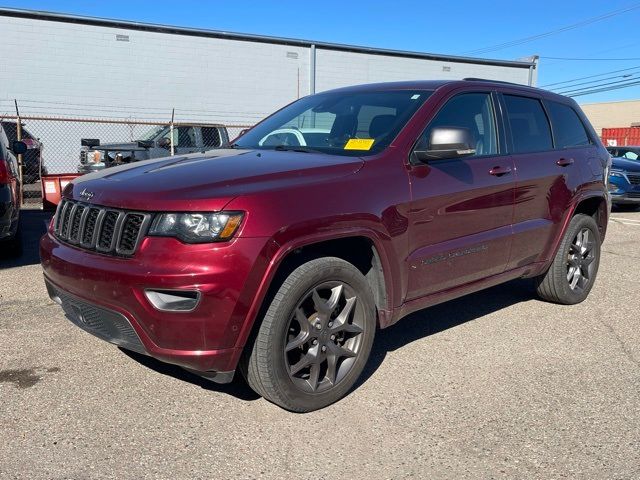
[{"x": 66, "y": 65}]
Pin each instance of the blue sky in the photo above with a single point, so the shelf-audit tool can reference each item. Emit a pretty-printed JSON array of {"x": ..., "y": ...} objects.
[{"x": 456, "y": 27}]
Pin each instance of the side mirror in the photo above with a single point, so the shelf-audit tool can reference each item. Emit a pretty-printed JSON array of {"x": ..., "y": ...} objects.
[
  {"x": 447, "y": 143},
  {"x": 19, "y": 147},
  {"x": 164, "y": 142}
]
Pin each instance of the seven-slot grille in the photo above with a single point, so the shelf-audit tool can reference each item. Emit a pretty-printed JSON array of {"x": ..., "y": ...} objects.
[
  {"x": 103, "y": 229},
  {"x": 634, "y": 179}
]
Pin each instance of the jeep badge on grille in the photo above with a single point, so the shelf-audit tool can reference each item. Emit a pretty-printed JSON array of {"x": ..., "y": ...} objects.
[{"x": 86, "y": 194}]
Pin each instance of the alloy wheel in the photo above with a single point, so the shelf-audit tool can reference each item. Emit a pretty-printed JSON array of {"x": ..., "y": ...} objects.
[
  {"x": 324, "y": 337},
  {"x": 580, "y": 260}
]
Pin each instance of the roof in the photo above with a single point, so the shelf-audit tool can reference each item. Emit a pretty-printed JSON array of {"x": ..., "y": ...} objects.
[
  {"x": 197, "y": 32},
  {"x": 435, "y": 84}
]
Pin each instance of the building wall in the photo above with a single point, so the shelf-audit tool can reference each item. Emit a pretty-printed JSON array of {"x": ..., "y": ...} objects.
[
  {"x": 64, "y": 69},
  {"x": 57, "y": 68},
  {"x": 337, "y": 69},
  {"x": 612, "y": 114}
]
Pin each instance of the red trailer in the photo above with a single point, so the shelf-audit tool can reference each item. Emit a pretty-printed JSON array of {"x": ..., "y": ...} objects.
[
  {"x": 620, "y": 137},
  {"x": 52, "y": 186}
]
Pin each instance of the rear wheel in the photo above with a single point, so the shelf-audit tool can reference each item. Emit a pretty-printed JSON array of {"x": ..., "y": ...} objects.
[
  {"x": 575, "y": 266},
  {"x": 315, "y": 338}
]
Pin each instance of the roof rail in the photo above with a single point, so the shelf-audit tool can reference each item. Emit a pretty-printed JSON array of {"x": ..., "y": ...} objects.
[{"x": 470, "y": 79}]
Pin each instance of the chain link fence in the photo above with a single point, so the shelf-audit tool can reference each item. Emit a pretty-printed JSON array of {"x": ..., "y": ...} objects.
[{"x": 58, "y": 145}]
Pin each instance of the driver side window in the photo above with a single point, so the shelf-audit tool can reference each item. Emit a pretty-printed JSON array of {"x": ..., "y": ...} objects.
[{"x": 471, "y": 111}]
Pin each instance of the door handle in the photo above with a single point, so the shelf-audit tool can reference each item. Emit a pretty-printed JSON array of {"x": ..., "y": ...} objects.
[
  {"x": 499, "y": 171},
  {"x": 564, "y": 162}
]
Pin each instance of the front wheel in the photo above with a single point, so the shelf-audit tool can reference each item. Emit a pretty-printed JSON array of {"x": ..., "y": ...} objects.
[
  {"x": 315, "y": 338},
  {"x": 575, "y": 266}
]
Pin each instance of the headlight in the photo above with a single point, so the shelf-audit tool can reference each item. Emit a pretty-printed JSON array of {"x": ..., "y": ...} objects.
[{"x": 196, "y": 227}]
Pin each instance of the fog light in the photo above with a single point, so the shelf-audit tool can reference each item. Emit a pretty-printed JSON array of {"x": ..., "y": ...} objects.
[{"x": 173, "y": 300}]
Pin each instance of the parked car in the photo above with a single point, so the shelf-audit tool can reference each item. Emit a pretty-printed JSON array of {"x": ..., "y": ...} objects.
[
  {"x": 629, "y": 152},
  {"x": 10, "y": 241},
  {"x": 624, "y": 182},
  {"x": 32, "y": 163},
  {"x": 282, "y": 260},
  {"x": 155, "y": 143}
]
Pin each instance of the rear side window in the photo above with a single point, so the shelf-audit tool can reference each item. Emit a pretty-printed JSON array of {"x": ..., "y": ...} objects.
[
  {"x": 568, "y": 130},
  {"x": 210, "y": 136},
  {"x": 530, "y": 128}
]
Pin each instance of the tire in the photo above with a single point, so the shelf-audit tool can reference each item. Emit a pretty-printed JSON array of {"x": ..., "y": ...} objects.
[
  {"x": 307, "y": 355},
  {"x": 575, "y": 266}
]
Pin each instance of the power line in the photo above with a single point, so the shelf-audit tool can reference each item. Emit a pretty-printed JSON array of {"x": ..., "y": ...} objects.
[
  {"x": 564, "y": 92},
  {"x": 605, "y": 89},
  {"x": 531, "y": 38},
  {"x": 589, "y": 76},
  {"x": 592, "y": 59},
  {"x": 558, "y": 89}
]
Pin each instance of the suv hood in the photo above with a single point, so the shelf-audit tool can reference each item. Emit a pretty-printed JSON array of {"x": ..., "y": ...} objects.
[
  {"x": 625, "y": 164},
  {"x": 206, "y": 181}
]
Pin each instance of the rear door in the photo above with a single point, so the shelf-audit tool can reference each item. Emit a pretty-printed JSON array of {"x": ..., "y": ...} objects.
[
  {"x": 550, "y": 146},
  {"x": 462, "y": 208}
]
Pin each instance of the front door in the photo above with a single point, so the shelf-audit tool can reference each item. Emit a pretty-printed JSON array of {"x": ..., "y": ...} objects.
[{"x": 462, "y": 208}]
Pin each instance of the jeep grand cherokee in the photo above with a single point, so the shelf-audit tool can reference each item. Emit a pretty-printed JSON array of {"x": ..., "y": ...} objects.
[{"x": 281, "y": 255}]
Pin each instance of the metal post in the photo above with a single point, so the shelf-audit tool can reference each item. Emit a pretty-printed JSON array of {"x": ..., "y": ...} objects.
[
  {"x": 312, "y": 78},
  {"x": 173, "y": 112},
  {"x": 532, "y": 67},
  {"x": 19, "y": 138},
  {"x": 312, "y": 70}
]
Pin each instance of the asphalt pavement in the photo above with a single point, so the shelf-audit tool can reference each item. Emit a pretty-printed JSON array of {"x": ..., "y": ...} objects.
[{"x": 497, "y": 384}]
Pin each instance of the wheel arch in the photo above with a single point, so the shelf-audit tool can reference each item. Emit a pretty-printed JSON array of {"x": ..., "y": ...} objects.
[
  {"x": 594, "y": 204},
  {"x": 346, "y": 244}
]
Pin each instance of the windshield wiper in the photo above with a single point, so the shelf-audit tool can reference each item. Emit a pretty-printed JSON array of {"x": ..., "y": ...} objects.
[{"x": 294, "y": 148}]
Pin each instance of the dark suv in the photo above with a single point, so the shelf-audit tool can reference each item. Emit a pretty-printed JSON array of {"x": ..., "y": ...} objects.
[
  {"x": 281, "y": 259},
  {"x": 32, "y": 164},
  {"x": 9, "y": 194}
]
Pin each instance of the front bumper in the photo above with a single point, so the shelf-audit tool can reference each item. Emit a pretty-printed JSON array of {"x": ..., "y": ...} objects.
[
  {"x": 622, "y": 191},
  {"x": 93, "y": 286},
  {"x": 627, "y": 198}
]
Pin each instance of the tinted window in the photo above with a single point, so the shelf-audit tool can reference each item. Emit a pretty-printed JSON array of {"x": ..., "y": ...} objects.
[
  {"x": 473, "y": 111},
  {"x": 210, "y": 137},
  {"x": 529, "y": 125},
  {"x": 568, "y": 130},
  {"x": 12, "y": 131}
]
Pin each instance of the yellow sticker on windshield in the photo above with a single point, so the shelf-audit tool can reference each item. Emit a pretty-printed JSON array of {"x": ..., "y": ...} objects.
[{"x": 359, "y": 144}]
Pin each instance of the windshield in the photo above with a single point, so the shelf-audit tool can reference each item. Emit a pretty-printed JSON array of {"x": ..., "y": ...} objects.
[
  {"x": 339, "y": 123},
  {"x": 153, "y": 133}
]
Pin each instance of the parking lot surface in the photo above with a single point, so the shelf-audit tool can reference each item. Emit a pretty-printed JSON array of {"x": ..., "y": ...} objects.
[{"x": 493, "y": 385}]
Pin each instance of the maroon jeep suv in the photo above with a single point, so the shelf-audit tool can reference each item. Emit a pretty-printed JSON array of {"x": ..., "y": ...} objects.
[{"x": 281, "y": 254}]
